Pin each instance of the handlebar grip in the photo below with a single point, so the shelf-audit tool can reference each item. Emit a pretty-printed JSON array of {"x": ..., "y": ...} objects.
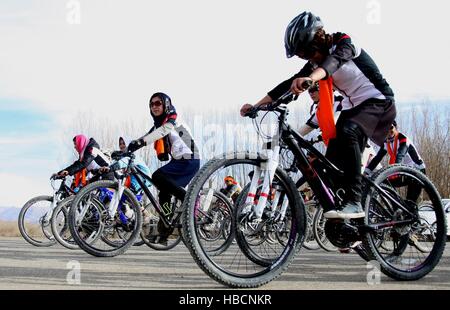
[
  {"x": 252, "y": 113},
  {"x": 307, "y": 84}
]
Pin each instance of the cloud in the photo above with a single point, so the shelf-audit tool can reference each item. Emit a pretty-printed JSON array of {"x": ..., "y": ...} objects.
[
  {"x": 206, "y": 54},
  {"x": 17, "y": 189}
]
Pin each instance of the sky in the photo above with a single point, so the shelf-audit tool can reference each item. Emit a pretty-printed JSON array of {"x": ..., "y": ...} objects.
[{"x": 106, "y": 57}]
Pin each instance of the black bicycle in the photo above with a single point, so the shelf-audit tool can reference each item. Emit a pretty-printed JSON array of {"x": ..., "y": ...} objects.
[
  {"x": 278, "y": 210},
  {"x": 109, "y": 209}
]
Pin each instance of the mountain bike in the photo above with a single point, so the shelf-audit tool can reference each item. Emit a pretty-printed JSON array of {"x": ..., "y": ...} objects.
[
  {"x": 390, "y": 217},
  {"x": 35, "y": 216},
  {"x": 60, "y": 224},
  {"x": 108, "y": 209}
]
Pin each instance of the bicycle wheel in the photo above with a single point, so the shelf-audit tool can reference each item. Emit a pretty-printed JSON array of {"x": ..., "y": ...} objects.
[
  {"x": 60, "y": 224},
  {"x": 236, "y": 266},
  {"x": 215, "y": 222},
  {"x": 92, "y": 226},
  {"x": 425, "y": 228},
  {"x": 150, "y": 230},
  {"x": 310, "y": 242},
  {"x": 34, "y": 221},
  {"x": 319, "y": 231},
  {"x": 403, "y": 260}
]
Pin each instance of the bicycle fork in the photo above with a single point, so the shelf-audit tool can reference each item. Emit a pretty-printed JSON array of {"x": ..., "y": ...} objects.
[{"x": 267, "y": 169}]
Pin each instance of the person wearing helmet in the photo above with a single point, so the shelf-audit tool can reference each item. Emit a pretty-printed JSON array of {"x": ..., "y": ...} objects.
[
  {"x": 368, "y": 107},
  {"x": 171, "y": 139},
  {"x": 232, "y": 188},
  {"x": 313, "y": 123},
  {"x": 401, "y": 150}
]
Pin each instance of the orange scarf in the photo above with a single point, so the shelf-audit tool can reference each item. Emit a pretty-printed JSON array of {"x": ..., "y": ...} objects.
[
  {"x": 80, "y": 178},
  {"x": 325, "y": 110},
  {"x": 392, "y": 152},
  {"x": 128, "y": 182},
  {"x": 161, "y": 149}
]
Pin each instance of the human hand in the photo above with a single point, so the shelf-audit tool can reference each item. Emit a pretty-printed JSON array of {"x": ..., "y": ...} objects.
[
  {"x": 63, "y": 173},
  {"x": 102, "y": 170},
  {"x": 135, "y": 145},
  {"x": 245, "y": 108},
  {"x": 298, "y": 85}
]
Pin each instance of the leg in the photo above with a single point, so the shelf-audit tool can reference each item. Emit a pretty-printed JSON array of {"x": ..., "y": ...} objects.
[
  {"x": 414, "y": 190},
  {"x": 345, "y": 151},
  {"x": 352, "y": 143}
]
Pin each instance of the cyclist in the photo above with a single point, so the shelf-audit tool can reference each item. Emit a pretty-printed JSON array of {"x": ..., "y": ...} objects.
[
  {"x": 368, "y": 107},
  {"x": 90, "y": 157},
  {"x": 171, "y": 139},
  {"x": 313, "y": 123},
  {"x": 401, "y": 150},
  {"x": 232, "y": 188},
  {"x": 132, "y": 183}
]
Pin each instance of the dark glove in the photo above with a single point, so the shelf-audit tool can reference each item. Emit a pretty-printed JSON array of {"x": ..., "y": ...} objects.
[
  {"x": 135, "y": 145},
  {"x": 116, "y": 155}
]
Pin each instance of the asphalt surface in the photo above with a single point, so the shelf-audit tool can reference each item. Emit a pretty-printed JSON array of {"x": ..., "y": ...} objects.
[{"x": 23, "y": 266}]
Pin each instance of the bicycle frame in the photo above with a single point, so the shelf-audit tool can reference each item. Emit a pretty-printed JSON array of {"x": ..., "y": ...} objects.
[
  {"x": 325, "y": 196},
  {"x": 138, "y": 174},
  {"x": 57, "y": 196}
]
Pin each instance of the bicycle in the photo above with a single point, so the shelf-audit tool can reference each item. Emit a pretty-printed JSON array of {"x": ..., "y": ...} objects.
[
  {"x": 101, "y": 209},
  {"x": 387, "y": 212},
  {"x": 35, "y": 216}
]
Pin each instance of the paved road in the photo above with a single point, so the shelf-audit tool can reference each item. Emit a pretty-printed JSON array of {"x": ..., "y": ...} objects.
[{"x": 23, "y": 266}]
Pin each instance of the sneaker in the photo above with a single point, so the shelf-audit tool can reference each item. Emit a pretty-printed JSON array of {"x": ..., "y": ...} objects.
[
  {"x": 157, "y": 239},
  {"x": 331, "y": 214},
  {"x": 351, "y": 210}
]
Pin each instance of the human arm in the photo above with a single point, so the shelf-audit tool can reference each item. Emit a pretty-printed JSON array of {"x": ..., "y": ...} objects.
[
  {"x": 375, "y": 161},
  {"x": 78, "y": 165}
]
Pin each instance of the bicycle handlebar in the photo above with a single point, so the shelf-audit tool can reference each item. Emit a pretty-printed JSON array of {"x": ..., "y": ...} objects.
[
  {"x": 286, "y": 98},
  {"x": 118, "y": 155}
]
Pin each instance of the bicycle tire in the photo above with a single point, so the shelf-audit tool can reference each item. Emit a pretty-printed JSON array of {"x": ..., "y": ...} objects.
[
  {"x": 319, "y": 231},
  {"x": 88, "y": 248},
  {"x": 201, "y": 257},
  {"x": 439, "y": 245},
  {"x": 310, "y": 242},
  {"x": 63, "y": 207},
  {"x": 21, "y": 222}
]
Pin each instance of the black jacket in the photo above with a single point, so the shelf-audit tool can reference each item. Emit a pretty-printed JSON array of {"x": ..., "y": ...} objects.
[{"x": 91, "y": 153}]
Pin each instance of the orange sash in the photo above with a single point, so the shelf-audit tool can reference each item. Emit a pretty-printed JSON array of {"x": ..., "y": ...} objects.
[
  {"x": 159, "y": 146},
  {"x": 392, "y": 152},
  {"x": 128, "y": 182},
  {"x": 80, "y": 178},
  {"x": 325, "y": 110}
]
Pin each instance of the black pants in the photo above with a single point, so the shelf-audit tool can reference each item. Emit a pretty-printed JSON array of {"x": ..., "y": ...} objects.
[
  {"x": 414, "y": 188},
  {"x": 167, "y": 188},
  {"x": 345, "y": 152}
]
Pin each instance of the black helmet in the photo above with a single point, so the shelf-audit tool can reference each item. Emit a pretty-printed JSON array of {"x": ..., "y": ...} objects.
[{"x": 300, "y": 32}]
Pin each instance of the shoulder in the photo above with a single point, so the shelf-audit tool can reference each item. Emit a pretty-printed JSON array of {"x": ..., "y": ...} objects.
[
  {"x": 402, "y": 138},
  {"x": 340, "y": 37}
]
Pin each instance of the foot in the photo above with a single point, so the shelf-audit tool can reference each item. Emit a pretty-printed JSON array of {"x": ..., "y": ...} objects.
[
  {"x": 351, "y": 210},
  {"x": 158, "y": 239}
]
